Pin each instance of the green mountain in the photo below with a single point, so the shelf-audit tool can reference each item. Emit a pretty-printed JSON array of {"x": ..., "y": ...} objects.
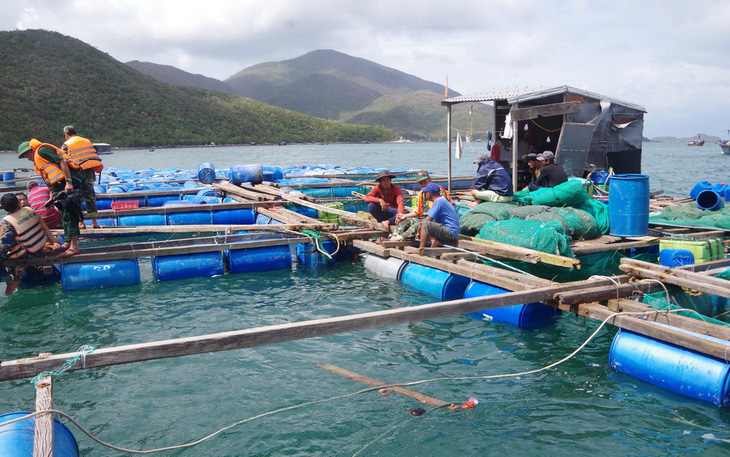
[
  {"x": 176, "y": 77},
  {"x": 48, "y": 80},
  {"x": 333, "y": 85}
]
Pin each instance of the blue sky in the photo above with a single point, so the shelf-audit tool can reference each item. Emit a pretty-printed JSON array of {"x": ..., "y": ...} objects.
[{"x": 672, "y": 57}]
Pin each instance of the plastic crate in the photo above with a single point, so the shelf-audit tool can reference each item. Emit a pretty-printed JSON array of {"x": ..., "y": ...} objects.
[
  {"x": 703, "y": 249},
  {"x": 118, "y": 206}
]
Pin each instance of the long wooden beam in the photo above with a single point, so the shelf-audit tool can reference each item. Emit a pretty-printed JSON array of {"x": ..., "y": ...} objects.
[
  {"x": 345, "y": 216},
  {"x": 198, "y": 228},
  {"x": 192, "y": 207},
  {"x": 425, "y": 399},
  {"x": 695, "y": 281},
  {"x": 25, "y": 368},
  {"x": 553, "y": 109}
]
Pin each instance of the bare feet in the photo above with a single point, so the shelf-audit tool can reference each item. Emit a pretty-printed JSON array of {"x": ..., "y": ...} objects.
[
  {"x": 11, "y": 285},
  {"x": 82, "y": 226},
  {"x": 386, "y": 224}
]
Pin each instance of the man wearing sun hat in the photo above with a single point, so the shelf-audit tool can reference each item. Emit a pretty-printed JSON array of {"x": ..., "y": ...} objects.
[
  {"x": 385, "y": 200},
  {"x": 408, "y": 224}
]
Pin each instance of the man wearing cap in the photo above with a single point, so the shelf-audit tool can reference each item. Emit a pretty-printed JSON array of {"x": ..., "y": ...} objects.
[
  {"x": 53, "y": 168},
  {"x": 81, "y": 154},
  {"x": 551, "y": 174},
  {"x": 385, "y": 200},
  {"x": 492, "y": 183},
  {"x": 407, "y": 227},
  {"x": 441, "y": 224}
]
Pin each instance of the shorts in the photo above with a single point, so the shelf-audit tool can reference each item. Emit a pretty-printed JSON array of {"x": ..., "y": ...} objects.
[{"x": 438, "y": 231}]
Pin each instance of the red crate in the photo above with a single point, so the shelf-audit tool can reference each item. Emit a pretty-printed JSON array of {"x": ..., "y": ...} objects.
[{"x": 118, "y": 206}]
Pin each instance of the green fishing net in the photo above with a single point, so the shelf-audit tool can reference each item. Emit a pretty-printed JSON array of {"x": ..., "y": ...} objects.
[
  {"x": 690, "y": 214},
  {"x": 541, "y": 236},
  {"x": 569, "y": 193}
]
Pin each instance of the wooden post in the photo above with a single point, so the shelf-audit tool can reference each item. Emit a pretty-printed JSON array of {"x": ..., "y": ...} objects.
[
  {"x": 448, "y": 145},
  {"x": 43, "y": 437}
]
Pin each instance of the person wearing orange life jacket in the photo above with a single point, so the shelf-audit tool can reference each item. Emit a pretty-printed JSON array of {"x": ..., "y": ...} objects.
[
  {"x": 24, "y": 234},
  {"x": 52, "y": 167},
  {"x": 407, "y": 227},
  {"x": 81, "y": 154}
]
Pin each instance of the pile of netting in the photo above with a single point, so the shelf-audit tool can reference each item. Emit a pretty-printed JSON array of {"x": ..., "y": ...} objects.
[
  {"x": 545, "y": 220},
  {"x": 690, "y": 214},
  {"x": 702, "y": 306}
]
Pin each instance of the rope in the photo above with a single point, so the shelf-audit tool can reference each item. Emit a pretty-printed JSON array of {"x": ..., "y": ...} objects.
[
  {"x": 70, "y": 363},
  {"x": 545, "y": 129},
  {"x": 490, "y": 259},
  {"x": 339, "y": 397}
]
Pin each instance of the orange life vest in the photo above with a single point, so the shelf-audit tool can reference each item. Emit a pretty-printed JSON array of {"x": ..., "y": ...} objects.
[
  {"x": 81, "y": 154},
  {"x": 427, "y": 204},
  {"x": 49, "y": 171},
  {"x": 29, "y": 233}
]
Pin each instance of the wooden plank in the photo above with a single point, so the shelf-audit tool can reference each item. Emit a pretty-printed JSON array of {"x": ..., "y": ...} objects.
[
  {"x": 24, "y": 368},
  {"x": 673, "y": 319},
  {"x": 650, "y": 329},
  {"x": 345, "y": 216},
  {"x": 265, "y": 188},
  {"x": 43, "y": 434},
  {"x": 142, "y": 229},
  {"x": 696, "y": 281},
  {"x": 496, "y": 250},
  {"x": 228, "y": 188},
  {"x": 553, "y": 109},
  {"x": 611, "y": 243},
  {"x": 506, "y": 249},
  {"x": 398, "y": 244},
  {"x": 149, "y": 193},
  {"x": 458, "y": 255},
  {"x": 368, "y": 381}
]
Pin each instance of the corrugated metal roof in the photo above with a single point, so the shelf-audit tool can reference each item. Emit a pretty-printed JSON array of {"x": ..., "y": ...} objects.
[{"x": 519, "y": 95}]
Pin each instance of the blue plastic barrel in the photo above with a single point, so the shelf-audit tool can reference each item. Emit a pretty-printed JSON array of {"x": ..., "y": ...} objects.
[
  {"x": 116, "y": 189},
  {"x": 206, "y": 192},
  {"x": 263, "y": 220},
  {"x": 699, "y": 187},
  {"x": 190, "y": 218},
  {"x": 527, "y": 315},
  {"x": 204, "y": 264},
  {"x": 9, "y": 176},
  {"x": 206, "y": 173},
  {"x": 709, "y": 200},
  {"x": 310, "y": 258},
  {"x": 142, "y": 219},
  {"x": 94, "y": 275},
  {"x": 271, "y": 173},
  {"x": 247, "y": 173},
  {"x": 304, "y": 210},
  {"x": 671, "y": 367},
  {"x": 259, "y": 259},
  {"x": 390, "y": 268},
  {"x": 437, "y": 283},
  {"x": 628, "y": 205},
  {"x": 16, "y": 440},
  {"x": 234, "y": 216},
  {"x": 103, "y": 222},
  {"x": 103, "y": 203},
  {"x": 160, "y": 200},
  {"x": 676, "y": 257}
]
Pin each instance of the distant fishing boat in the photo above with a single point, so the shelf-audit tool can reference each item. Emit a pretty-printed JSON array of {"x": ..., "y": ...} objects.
[
  {"x": 697, "y": 142},
  {"x": 725, "y": 146}
]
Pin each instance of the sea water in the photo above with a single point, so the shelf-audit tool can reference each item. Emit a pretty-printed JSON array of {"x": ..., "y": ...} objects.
[{"x": 581, "y": 407}]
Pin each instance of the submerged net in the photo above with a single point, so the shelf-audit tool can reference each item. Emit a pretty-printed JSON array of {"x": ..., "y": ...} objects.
[{"x": 690, "y": 214}]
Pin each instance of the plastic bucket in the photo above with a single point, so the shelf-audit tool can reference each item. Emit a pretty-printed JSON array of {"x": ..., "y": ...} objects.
[
  {"x": 16, "y": 440},
  {"x": 527, "y": 315},
  {"x": 600, "y": 177},
  {"x": 699, "y": 187},
  {"x": 437, "y": 283},
  {"x": 206, "y": 173},
  {"x": 676, "y": 257},
  {"x": 390, "y": 268},
  {"x": 628, "y": 205},
  {"x": 247, "y": 173},
  {"x": 95, "y": 275},
  {"x": 171, "y": 267},
  {"x": 9, "y": 176},
  {"x": 671, "y": 367},
  {"x": 259, "y": 259},
  {"x": 709, "y": 200}
]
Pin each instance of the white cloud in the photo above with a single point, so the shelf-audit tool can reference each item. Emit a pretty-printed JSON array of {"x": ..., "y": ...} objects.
[{"x": 670, "y": 56}]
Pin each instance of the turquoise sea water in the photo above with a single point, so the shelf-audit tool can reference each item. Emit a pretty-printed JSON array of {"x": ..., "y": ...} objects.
[{"x": 579, "y": 408}]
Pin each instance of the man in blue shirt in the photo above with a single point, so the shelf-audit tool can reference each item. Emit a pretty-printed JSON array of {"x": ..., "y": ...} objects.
[
  {"x": 492, "y": 183},
  {"x": 441, "y": 224}
]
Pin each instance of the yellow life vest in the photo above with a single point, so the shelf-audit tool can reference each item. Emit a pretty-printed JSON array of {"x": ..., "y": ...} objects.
[
  {"x": 50, "y": 172},
  {"x": 423, "y": 204},
  {"x": 29, "y": 233},
  {"x": 81, "y": 154}
]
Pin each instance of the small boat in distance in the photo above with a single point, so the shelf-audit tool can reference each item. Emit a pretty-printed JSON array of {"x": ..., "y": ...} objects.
[
  {"x": 725, "y": 146},
  {"x": 697, "y": 142}
]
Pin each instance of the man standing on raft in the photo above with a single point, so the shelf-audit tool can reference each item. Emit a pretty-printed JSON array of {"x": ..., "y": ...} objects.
[
  {"x": 52, "y": 167},
  {"x": 81, "y": 155}
]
